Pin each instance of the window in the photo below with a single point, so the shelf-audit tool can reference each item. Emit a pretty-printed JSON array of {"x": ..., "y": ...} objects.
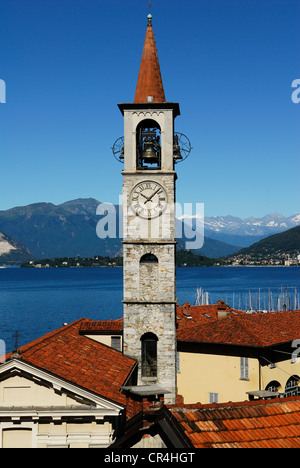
[
  {"x": 273, "y": 386},
  {"x": 149, "y": 355},
  {"x": 213, "y": 397},
  {"x": 292, "y": 388},
  {"x": 244, "y": 368},
  {"x": 116, "y": 342},
  {"x": 149, "y": 258},
  {"x": 178, "y": 362},
  {"x": 148, "y": 145}
]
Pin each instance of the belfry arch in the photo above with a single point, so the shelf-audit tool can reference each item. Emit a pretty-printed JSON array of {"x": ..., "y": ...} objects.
[{"x": 148, "y": 145}]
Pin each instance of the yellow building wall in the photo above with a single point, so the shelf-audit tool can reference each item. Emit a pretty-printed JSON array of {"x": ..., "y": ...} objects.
[
  {"x": 104, "y": 339},
  {"x": 201, "y": 374},
  {"x": 14, "y": 438},
  {"x": 17, "y": 392}
]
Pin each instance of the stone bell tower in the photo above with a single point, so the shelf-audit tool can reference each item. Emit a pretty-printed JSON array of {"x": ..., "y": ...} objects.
[{"x": 149, "y": 153}]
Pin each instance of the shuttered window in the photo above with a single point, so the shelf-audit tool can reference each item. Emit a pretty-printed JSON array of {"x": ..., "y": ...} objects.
[
  {"x": 213, "y": 397},
  {"x": 116, "y": 342},
  {"x": 244, "y": 368}
]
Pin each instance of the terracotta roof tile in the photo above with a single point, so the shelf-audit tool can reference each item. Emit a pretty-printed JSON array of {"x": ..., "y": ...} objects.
[
  {"x": 80, "y": 360},
  {"x": 188, "y": 315},
  {"x": 98, "y": 326},
  {"x": 256, "y": 424},
  {"x": 244, "y": 329}
]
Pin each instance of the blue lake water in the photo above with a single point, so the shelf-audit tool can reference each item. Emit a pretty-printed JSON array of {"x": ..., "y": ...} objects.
[{"x": 36, "y": 301}]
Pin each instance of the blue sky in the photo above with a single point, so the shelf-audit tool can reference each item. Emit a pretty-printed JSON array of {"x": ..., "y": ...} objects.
[{"x": 229, "y": 63}]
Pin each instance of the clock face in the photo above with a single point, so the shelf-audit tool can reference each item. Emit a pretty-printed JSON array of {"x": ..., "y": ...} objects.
[{"x": 148, "y": 199}]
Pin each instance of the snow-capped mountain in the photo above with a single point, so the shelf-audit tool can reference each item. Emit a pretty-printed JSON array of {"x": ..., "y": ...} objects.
[{"x": 242, "y": 232}]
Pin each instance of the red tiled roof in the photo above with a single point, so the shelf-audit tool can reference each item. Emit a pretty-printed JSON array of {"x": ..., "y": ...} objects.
[
  {"x": 189, "y": 316},
  {"x": 80, "y": 360},
  {"x": 98, "y": 326},
  {"x": 186, "y": 315},
  {"x": 255, "y": 424},
  {"x": 201, "y": 324},
  {"x": 149, "y": 79},
  {"x": 246, "y": 329}
]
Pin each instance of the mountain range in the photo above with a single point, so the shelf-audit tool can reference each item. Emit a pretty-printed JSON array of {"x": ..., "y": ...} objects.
[
  {"x": 243, "y": 232},
  {"x": 69, "y": 230}
]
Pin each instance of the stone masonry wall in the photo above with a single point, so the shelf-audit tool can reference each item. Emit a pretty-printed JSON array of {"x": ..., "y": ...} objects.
[{"x": 160, "y": 320}]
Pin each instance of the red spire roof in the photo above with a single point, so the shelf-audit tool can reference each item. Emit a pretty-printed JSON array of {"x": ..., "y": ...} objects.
[{"x": 149, "y": 80}]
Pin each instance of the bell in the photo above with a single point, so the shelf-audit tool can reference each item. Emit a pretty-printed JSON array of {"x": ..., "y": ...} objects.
[
  {"x": 122, "y": 153},
  {"x": 149, "y": 155},
  {"x": 176, "y": 149}
]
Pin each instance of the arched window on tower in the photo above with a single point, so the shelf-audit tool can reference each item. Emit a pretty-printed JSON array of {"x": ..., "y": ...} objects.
[
  {"x": 148, "y": 277},
  {"x": 148, "y": 145},
  {"x": 149, "y": 355},
  {"x": 149, "y": 258}
]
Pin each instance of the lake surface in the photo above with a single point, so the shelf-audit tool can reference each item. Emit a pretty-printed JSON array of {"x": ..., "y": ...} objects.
[{"x": 36, "y": 301}]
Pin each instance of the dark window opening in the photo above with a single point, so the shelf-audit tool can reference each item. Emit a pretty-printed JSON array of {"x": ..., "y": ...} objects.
[
  {"x": 273, "y": 386},
  {"x": 149, "y": 258},
  {"x": 148, "y": 146},
  {"x": 149, "y": 355},
  {"x": 292, "y": 386}
]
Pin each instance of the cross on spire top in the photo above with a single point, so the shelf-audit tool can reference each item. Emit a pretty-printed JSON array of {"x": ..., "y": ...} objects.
[{"x": 149, "y": 5}]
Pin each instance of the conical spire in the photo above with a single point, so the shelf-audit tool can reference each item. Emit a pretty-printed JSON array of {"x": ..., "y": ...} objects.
[{"x": 149, "y": 80}]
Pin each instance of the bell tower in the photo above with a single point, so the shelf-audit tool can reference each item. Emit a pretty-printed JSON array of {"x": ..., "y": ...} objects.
[{"x": 149, "y": 151}]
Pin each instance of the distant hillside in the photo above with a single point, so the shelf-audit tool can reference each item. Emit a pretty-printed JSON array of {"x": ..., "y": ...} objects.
[
  {"x": 69, "y": 230},
  {"x": 52, "y": 231},
  {"x": 12, "y": 252},
  {"x": 183, "y": 258},
  {"x": 277, "y": 246},
  {"x": 187, "y": 258}
]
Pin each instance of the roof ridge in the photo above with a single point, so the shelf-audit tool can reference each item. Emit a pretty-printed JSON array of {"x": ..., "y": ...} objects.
[
  {"x": 31, "y": 344},
  {"x": 230, "y": 404}
]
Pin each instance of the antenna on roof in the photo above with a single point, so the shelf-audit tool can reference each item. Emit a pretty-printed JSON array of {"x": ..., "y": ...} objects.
[{"x": 16, "y": 337}]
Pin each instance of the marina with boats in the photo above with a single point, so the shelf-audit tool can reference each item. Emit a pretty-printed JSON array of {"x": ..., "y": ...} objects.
[{"x": 260, "y": 301}]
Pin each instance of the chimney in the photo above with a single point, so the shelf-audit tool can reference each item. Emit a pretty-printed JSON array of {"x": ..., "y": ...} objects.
[{"x": 223, "y": 309}]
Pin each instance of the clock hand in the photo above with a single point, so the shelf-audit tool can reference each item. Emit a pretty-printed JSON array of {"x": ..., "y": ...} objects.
[
  {"x": 144, "y": 196},
  {"x": 149, "y": 198}
]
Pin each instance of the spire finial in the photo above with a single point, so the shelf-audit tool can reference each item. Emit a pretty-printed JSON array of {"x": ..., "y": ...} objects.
[{"x": 149, "y": 15}]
